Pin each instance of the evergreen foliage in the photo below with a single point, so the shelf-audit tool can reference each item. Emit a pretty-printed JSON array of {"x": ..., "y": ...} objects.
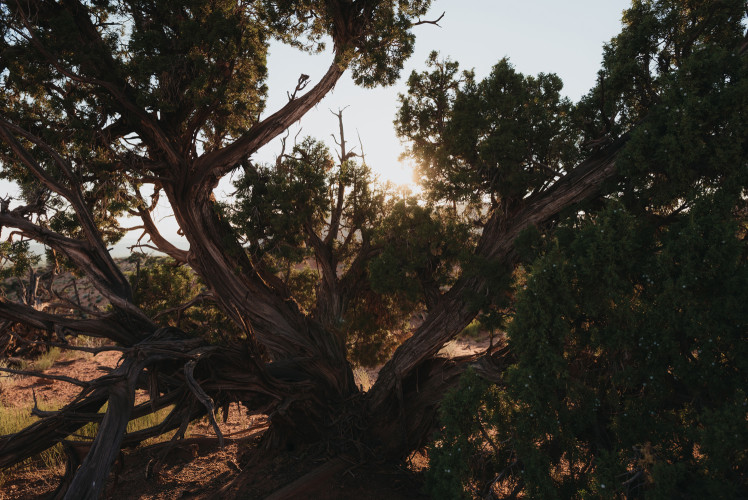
[
  {"x": 629, "y": 367},
  {"x": 620, "y": 220},
  {"x": 176, "y": 296}
]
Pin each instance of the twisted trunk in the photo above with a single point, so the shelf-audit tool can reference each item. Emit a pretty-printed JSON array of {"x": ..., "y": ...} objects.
[
  {"x": 454, "y": 312},
  {"x": 299, "y": 349}
]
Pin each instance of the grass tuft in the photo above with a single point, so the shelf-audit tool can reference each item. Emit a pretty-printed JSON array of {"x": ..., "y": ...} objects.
[
  {"x": 46, "y": 360},
  {"x": 474, "y": 330},
  {"x": 15, "y": 419}
]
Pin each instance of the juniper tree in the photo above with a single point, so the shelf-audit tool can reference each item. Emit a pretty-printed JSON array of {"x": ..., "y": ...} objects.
[
  {"x": 628, "y": 367},
  {"x": 102, "y": 100}
]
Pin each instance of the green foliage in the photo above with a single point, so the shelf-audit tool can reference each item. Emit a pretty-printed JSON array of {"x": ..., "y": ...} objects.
[
  {"x": 502, "y": 137},
  {"x": 374, "y": 52},
  {"x": 106, "y": 96},
  {"x": 198, "y": 57},
  {"x": 304, "y": 284},
  {"x": 161, "y": 288},
  {"x": 275, "y": 202},
  {"x": 389, "y": 254},
  {"x": 162, "y": 284},
  {"x": 462, "y": 459},
  {"x": 422, "y": 245},
  {"x": 373, "y": 325},
  {"x": 695, "y": 139},
  {"x": 16, "y": 259},
  {"x": 630, "y": 362},
  {"x": 420, "y": 250},
  {"x": 629, "y": 325}
]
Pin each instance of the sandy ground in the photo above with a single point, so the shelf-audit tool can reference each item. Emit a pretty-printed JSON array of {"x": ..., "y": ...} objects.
[
  {"x": 196, "y": 467},
  {"x": 18, "y": 391}
]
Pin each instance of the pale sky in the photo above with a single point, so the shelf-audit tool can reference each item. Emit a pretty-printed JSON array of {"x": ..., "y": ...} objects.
[
  {"x": 547, "y": 36},
  {"x": 536, "y": 35}
]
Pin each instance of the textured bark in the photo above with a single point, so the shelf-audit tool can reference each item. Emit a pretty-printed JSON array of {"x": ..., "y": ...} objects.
[
  {"x": 305, "y": 393},
  {"x": 406, "y": 420},
  {"x": 453, "y": 312},
  {"x": 292, "y": 367},
  {"x": 50, "y": 430},
  {"x": 90, "y": 479}
]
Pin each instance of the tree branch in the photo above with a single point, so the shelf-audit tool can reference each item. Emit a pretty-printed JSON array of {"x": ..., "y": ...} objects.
[
  {"x": 104, "y": 265},
  {"x": 88, "y": 260},
  {"x": 33, "y": 373},
  {"x": 162, "y": 244},
  {"x": 202, "y": 297},
  {"x": 137, "y": 117},
  {"x": 453, "y": 313},
  {"x": 435, "y": 22},
  {"x": 213, "y": 165},
  {"x": 109, "y": 327}
]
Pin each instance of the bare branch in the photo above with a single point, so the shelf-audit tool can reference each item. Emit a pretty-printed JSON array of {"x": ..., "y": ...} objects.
[
  {"x": 99, "y": 267},
  {"x": 34, "y": 373},
  {"x": 300, "y": 85},
  {"x": 202, "y": 297},
  {"x": 29, "y": 161},
  {"x": 99, "y": 261},
  {"x": 189, "y": 369},
  {"x": 337, "y": 210},
  {"x": 361, "y": 145},
  {"x": 109, "y": 326},
  {"x": 162, "y": 244},
  {"x": 435, "y": 22}
]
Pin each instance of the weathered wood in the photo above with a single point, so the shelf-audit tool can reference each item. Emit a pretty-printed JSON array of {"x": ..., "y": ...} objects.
[
  {"x": 453, "y": 312},
  {"x": 90, "y": 479}
]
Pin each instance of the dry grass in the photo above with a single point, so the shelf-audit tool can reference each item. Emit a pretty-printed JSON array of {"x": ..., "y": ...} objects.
[
  {"x": 15, "y": 419},
  {"x": 362, "y": 378},
  {"x": 46, "y": 360},
  {"x": 53, "y": 459}
]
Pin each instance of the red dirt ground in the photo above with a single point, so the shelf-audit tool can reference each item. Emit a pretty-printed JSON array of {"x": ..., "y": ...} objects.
[{"x": 196, "y": 468}]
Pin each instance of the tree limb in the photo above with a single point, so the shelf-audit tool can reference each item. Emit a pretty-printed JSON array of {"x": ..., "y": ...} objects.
[
  {"x": 96, "y": 266},
  {"x": 453, "y": 313},
  {"x": 215, "y": 164},
  {"x": 435, "y": 22},
  {"x": 34, "y": 373}
]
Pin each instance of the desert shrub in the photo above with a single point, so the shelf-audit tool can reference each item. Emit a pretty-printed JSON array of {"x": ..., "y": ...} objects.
[
  {"x": 630, "y": 372},
  {"x": 161, "y": 287}
]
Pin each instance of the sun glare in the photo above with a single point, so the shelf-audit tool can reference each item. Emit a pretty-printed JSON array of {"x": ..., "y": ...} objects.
[{"x": 401, "y": 174}]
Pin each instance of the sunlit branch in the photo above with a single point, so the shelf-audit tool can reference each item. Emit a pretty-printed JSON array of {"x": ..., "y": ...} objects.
[{"x": 215, "y": 164}]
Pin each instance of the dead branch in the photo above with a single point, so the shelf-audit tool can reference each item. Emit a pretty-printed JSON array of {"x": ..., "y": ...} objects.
[
  {"x": 300, "y": 85},
  {"x": 435, "y": 22},
  {"x": 34, "y": 373},
  {"x": 202, "y": 297},
  {"x": 189, "y": 369},
  {"x": 217, "y": 163},
  {"x": 150, "y": 228},
  {"x": 109, "y": 326}
]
